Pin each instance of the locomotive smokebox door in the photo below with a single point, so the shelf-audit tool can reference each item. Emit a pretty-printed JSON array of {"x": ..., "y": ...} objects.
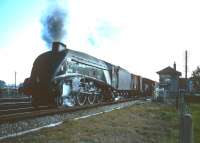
[{"x": 58, "y": 47}]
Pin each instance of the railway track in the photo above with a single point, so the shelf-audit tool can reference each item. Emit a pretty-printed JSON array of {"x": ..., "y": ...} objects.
[
  {"x": 13, "y": 115},
  {"x": 11, "y": 102},
  {"x": 21, "y": 123},
  {"x": 9, "y": 105}
]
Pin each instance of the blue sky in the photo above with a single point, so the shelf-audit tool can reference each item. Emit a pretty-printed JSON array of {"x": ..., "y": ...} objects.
[
  {"x": 141, "y": 36},
  {"x": 15, "y": 14}
]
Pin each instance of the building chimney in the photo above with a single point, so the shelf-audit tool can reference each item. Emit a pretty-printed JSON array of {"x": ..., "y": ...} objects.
[
  {"x": 175, "y": 66},
  {"x": 58, "y": 47}
]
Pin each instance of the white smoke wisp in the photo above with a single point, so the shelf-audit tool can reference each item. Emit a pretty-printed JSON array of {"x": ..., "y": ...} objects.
[{"x": 54, "y": 21}]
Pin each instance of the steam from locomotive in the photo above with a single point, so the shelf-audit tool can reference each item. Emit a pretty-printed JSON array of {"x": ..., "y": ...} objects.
[{"x": 54, "y": 22}]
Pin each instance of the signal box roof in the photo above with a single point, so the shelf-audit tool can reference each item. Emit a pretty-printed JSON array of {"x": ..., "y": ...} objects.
[{"x": 169, "y": 70}]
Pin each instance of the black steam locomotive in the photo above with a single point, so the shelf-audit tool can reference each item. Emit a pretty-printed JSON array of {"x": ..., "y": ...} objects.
[{"x": 64, "y": 77}]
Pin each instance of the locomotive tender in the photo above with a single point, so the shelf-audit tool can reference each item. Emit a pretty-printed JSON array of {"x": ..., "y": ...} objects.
[{"x": 67, "y": 77}]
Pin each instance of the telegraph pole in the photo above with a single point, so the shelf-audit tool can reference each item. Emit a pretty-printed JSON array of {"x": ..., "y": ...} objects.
[
  {"x": 15, "y": 82},
  {"x": 186, "y": 60}
]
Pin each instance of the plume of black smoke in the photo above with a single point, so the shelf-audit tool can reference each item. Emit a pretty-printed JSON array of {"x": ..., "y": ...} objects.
[{"x": 54, "y": 24}]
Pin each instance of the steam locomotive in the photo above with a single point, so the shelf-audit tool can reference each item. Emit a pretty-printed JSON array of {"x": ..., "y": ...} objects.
[{"x": 64, "y": 77}]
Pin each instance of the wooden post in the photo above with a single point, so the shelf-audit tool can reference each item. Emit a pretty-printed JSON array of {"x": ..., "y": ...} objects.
[
  {"x": 177, "y": 102},
  {"x": 186, "y": 129}
]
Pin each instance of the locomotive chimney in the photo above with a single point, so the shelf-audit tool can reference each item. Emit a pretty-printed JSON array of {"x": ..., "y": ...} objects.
[
  {"x": 174, "y": 65},
  {"x": 58, "y": 47}
]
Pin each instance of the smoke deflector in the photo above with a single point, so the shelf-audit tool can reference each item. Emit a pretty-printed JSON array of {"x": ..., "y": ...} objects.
[{"x": 58, "y": 47}]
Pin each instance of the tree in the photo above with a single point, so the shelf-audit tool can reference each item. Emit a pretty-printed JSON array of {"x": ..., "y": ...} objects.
[
  {"x": 2, "y": 84},
  {"x": 196, "y": 79}
]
